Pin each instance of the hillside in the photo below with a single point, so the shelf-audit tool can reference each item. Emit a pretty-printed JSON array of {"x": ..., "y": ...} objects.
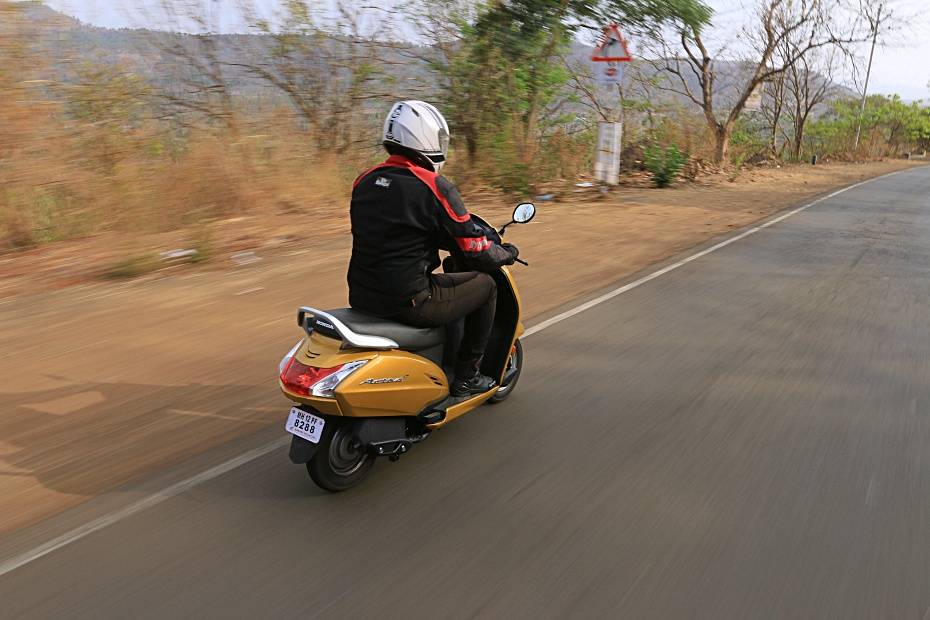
[
  {"x": 159, "y": 56},
  {"x": 164, "y": 58}
]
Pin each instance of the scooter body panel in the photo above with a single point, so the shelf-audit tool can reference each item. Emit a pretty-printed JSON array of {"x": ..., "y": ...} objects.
[
  {"x": 322, "y": 352},
  {"x": 516, "y": 312},
  {"x": 391, "y": 383}
]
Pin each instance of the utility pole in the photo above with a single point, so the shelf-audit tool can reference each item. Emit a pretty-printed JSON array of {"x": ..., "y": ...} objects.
[{"x": 868, "y": 73}]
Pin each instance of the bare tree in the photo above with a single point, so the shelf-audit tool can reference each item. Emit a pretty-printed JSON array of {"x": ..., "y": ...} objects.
[
  {"x": 199, "y": 85},
  {"x": 328, "y": 75},
  {"x": 809, "y": 83},
  {"x": 773, "y": 110},
  {"x": 689, "y": 64},
  {"x": 453, "y": 78},
  {"x": 441, "y": 31},
  {"x": 586, "y": 88}
]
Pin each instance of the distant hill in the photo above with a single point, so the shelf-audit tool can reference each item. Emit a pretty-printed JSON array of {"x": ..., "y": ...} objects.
[
  {"x": 39, "y": 13},
  {"x": 145, "y": 52},
  {"x": 148, "y": 53}
]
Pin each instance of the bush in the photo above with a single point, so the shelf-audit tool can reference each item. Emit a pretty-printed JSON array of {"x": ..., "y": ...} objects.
[
  {"x": 132, "y": 267},
  {"x": 664, "y": 164}
]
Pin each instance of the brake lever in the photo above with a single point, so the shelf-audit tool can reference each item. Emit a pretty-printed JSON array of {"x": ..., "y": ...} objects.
[{"x": 521, "y": 261}]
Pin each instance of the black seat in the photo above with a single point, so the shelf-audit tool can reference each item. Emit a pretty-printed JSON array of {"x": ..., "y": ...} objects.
[{"x": 407, "y": 337}]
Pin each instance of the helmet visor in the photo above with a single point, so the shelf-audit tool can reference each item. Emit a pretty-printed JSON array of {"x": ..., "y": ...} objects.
[{"x": 444, "y": 142}]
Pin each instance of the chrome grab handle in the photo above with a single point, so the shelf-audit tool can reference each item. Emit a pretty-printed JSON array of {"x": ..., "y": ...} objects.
[{"x": 349, "y": 337}]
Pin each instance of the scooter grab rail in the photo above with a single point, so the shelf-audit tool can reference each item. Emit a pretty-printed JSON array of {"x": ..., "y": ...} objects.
[{"x": 349, "y": 337}]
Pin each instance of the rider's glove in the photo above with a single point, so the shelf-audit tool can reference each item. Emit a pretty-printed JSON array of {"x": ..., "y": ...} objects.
[{"x": 514, "y": 252}]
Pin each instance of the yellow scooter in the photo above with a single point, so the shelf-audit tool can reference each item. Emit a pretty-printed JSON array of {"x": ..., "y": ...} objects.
[{"x": 365, "y": 387}]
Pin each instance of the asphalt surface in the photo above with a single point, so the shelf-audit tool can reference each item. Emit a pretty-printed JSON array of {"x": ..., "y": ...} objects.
[{"x": 747, "y": 436}]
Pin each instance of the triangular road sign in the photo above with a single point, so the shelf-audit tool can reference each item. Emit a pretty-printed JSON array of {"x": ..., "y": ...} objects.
[{"x": 613, "y": 47}]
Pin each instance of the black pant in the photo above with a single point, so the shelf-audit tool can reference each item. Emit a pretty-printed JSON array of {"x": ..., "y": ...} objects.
[{"x": 470, "y": 294}]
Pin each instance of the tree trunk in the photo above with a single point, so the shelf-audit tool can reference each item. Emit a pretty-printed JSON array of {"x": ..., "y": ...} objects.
[
  {"x": 722, "y": 135},
  {"x": 777, "y": 111},
  {"x": 798, "y": 141},
  {"x": 531, "y": 116},
  {"x": 773, "y": 138},
  {"x": 471, "y": 145}
]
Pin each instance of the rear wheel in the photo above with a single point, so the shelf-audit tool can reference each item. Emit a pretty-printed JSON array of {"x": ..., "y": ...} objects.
[
  {"x": 511, "y": 374},
  {"x": 341, "y": 461}
]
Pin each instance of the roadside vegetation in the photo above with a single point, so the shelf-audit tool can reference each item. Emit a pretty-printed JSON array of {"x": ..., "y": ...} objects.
[{"x": 280, "y": 122}]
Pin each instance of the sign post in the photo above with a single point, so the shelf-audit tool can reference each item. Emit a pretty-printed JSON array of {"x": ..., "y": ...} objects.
[
  {"x": 608, "y": 57},
  {"x": 607, "y": 164}
]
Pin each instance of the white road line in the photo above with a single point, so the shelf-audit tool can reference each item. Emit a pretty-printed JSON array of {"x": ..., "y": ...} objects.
[
  {"x": 661, "y": 272},
  {"x": 143, "y": 504},
  {"x": 78, "y": 533}
]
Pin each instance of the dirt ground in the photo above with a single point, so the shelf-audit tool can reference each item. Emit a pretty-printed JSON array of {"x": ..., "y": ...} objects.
[{"x": 106, "y": 381}]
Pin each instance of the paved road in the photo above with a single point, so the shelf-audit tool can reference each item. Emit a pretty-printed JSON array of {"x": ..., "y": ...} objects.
[{"x": 747, "y": 436}]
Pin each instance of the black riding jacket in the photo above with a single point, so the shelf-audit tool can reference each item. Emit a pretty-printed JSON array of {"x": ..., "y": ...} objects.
[{"x": 402, "y": 215}]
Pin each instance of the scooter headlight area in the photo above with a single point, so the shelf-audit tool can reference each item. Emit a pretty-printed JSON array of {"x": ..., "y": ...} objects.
[{"x": 304, "y": 380}]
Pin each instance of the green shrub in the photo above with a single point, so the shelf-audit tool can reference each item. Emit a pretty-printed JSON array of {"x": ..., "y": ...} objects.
[
  {"x": 664, "y": 164},
  {"x": 203, "y": 244},
  {"x": 132, "y": 267}
]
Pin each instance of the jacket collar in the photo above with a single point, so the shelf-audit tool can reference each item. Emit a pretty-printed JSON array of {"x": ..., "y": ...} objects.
[{"x": 403, "y": 162}]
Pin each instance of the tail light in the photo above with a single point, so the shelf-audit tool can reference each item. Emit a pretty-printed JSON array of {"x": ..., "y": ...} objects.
[
  {"x": 306, "y": 380},
  {"x": 287, "y": 358}
]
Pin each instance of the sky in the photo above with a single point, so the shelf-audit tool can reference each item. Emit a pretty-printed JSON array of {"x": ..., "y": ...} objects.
[{"x": 902, "y": 63}]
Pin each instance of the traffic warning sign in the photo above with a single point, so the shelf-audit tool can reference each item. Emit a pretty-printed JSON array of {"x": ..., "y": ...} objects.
[{"x": 612, "y": 47}]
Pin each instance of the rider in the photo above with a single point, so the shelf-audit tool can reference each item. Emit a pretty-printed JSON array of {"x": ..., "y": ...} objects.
[{"x": 403, "y": 212}]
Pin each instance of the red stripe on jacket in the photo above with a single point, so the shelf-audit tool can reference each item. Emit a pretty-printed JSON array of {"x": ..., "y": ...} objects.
[
  {"x": 473, "y": 244},
  {"x": 427, "y": 176}
]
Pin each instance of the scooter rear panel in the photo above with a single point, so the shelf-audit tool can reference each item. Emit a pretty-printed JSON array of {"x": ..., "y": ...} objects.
[{"x": 393, "y": 383}]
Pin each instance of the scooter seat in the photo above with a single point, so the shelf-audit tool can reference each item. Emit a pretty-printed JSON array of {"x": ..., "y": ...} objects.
[{"x": 407, "y": 337}]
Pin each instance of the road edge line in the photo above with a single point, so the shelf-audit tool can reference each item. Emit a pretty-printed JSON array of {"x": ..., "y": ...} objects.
[
  {"x": 535, "y": 329},
  {"x": 17, "y": 561}
]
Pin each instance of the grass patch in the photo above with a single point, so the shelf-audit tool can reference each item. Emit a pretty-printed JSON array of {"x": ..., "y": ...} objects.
[
  {"x": 132, "y": 267},
  {"x": 203, "y": 244},
  {"x": 664, "y": 164}
]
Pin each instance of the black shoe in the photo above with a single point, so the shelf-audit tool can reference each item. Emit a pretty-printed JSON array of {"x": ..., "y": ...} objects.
[{"x": 477, "y": 384}]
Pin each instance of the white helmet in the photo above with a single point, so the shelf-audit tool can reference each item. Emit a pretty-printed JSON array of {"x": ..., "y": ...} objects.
[{"x": 418, "y": 126}]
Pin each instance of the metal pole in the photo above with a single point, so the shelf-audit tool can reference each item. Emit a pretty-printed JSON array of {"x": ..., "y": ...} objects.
[{"x": 868, "y": 73}]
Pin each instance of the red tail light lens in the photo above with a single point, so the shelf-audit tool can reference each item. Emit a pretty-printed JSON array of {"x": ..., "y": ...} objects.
[{"x": 300, "y": 378}]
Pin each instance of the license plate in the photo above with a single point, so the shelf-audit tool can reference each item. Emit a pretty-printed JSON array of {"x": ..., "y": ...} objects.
[{"x": 305, "y": 425}]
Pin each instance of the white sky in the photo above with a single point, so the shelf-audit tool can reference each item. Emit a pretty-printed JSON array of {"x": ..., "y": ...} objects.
[{"x": 902, "y": 64}]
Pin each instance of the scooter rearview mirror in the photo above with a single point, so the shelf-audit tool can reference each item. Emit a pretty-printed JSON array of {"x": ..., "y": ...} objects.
[{"x": 524, "y": 212}]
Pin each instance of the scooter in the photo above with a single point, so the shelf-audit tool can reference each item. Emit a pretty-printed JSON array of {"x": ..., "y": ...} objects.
[{"x": 365, "y": 387}]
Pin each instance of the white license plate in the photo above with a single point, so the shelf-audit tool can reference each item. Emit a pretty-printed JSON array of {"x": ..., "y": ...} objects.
[{"x": 305, "y": 425}]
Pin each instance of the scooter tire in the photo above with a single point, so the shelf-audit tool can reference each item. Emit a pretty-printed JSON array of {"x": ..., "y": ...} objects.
[
  {"x": 507, "y": 389},
  {"x": 339, "y": 464}
]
